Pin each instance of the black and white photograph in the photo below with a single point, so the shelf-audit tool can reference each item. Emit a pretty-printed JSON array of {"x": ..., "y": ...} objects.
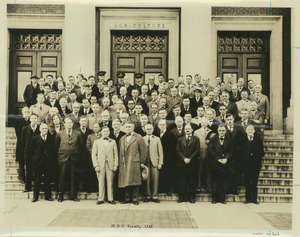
[{"x": 149, "y": 118}]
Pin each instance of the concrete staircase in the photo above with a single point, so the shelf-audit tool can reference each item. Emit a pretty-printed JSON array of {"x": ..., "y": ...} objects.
[{"x": 275, "y": 183}]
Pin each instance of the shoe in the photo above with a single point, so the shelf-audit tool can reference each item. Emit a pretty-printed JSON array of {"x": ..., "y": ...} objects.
[
  {"x": 224, "y": 202},
  {"x": 60, "y": 199},
  {"x": 147, "y": 200},
  {"x": 213, "y": 202},
  {"x": 49, "y": 199},
  {"x": 192, "y": 200},
  {"x": 75, "y": 199},
  {"x": 34, "y": 200},
  {"x": 125, "y": 202},
  {"x": 256, "y": 202},
  {"x": 156, "y": 200},
  {"x": 135, "y": 203},
  {"x": 99, "y": 202},
  {"x": 112, "y": 202},
  {"x": 246, "y": 202}
]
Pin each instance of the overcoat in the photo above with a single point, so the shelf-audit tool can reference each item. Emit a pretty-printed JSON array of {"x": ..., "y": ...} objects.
[{"x": 131, "y": 156}]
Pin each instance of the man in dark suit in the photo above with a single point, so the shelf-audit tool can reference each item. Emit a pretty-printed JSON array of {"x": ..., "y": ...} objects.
[
  {"x": 43, "y": 156},
  {"x": 19, "y": 123},
  {"x": 137, "y": 100},
  {"x": 124, "y": 96},
  {"x": 52, "y": 100},
  {"x": 186, "y": 107},
  {"x": 28, "y": 132},
  {"x": 151, "y": 85},
  {"x": 74, "y": 116},
  {"x": 230, "y": 106},
  {"x": 31, "y": 91},
  {"x": 219, "y": 153},
  {"x": 63, "y": 109},
  {"x": 188, "y": 149},
  {"x": 50, "y": 82},
  {"x": 86, "y": 95},
  {"x": 85, "y": 108},
  {"x": 69, "y": 144},
  {"x": 196, "y": 101},
  {"x": 251, "y": 151},
  {"x": 139, "y": 82},
  {"x": 120, "y": 82},
  {"x": 241, "y": 86},
  {"x": 84, "y": 161}
]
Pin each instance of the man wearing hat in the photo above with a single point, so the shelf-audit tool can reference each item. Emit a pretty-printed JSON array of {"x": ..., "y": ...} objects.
[
  {"x": 133, "y": 155},
  {"x": 101, "y": 76},
  {"x": 120, "y": 82},
  {"x": 31, "y": 91},
  {"x": 139, "y": 82},
  {"x": 196, "y": 101}
]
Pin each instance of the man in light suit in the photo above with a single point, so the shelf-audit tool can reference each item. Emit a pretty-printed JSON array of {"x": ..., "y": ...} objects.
[
  {"x": 105, "y": 161},
  {"x": 262, "y": 101},
  {"x": 206, "y": 87},
  {"x": 156, "y": 156},
  {"x": 133, "y": 154},
  {"x": 69, "y": 145},
  {"x": 244, "y": 103},
  {"x": 40, "y": 108}
]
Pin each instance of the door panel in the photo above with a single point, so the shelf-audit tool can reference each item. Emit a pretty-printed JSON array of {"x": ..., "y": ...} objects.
[
  {"x": 48, "y": 63},
  {"x": 127, "y": 63},
  {"x": 230, "y": 64}
]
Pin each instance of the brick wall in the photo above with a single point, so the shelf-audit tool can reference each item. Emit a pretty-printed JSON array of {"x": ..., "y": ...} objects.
[
  {"x": 269, "y": 11},
  {"x": 36, "y": 9}
]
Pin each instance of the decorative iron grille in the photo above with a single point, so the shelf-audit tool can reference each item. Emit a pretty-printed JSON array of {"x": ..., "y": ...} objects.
[
  {"x": 139, "y": 42},
  {"x": 242, "y": 44},
  {"x": 32, "y": 41}
]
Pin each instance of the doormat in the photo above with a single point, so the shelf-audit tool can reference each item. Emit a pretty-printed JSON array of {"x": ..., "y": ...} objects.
[{"x": 125, "y": 219}]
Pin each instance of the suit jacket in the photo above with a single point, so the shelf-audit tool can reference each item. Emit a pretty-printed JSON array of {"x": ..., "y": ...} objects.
[
  {"x": 81, "y": 111},
  {"x": 251, "y": 153},
  {"x": 43, "y": 152},
  {"x": 19, "y": 123},
  {"x": 242, "y": 105},
  {"x": 75, "y": 120},
  {"x": 132, "y": 155},
  {"x": 195, "y": 104},
  {"x": 155, "y": 150},
  {"x": 201, "y": 133},
  {"x": 56, "y": 103},
  {"x": 146, "y": 99},
  {"x": 93, "y": 119},
  {"x": 174, "y": 136},
  {"x": 34, "y": 109},
  {"x": 83, "y": 96},
  {"x": 205, "y": 92},
  {"x": 234, "y": 98},
  {"x": 30, "y": 94},
  {"x": 174, "y": 101},
  {"x": 183, "y": 111},
  {"x": 257, "y": 117},
  {"x": 84, "y": 135},
  {"x": 154, "y": 87},
  {"x": 105, "y": 151},
  {"x": 216, "y": 151},
  {"x": 118, "y": 138},
  {"x": 263, "y": 104},
  {"x": 53, "y": 87},
  {"x": 231, "y": 108},
  {"x": 90, "y": 141},
  {"x": 188, "y": 149},
  {"x": 64, "y": 114},
  {"x": 26, "y": 138},
  {"x": 69, "y": 148}
]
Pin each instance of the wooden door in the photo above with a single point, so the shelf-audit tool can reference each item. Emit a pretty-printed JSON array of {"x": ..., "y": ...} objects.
[
  {"x": 23, "y": 67},
  {"x": 256, "y": 67},
  {"x": 48, "y": 63},
  {"x": 129, "y": 63},
  {"x": 230, "y": 64},
  {"x": 153, "y": 64}
]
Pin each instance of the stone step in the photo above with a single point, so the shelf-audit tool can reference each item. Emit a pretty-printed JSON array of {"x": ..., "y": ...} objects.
[
  {"x": 269, "y": 190},
  {"x": 11, "y": 171},
  {"x": 273, "y": 160},
  {"x": 272, "y": 174},
  {"x": 11, "y": 178},
  {"x": 277, "y": 167},
  {"x": 14, "y": 186},
  {"x": 282, "y": 198},
  {"x": 270, "y": 134},
  {"x": 11, "y": 164},
  {"x": 9, "y": 150},
  {"x": 275, "y": 182},
  {"x": 279, "y": 154},
  {"x": 278, "y": 149},
  {"x": 278, "y": 143}
]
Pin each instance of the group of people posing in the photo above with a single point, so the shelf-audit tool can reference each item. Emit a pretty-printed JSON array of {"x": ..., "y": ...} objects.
[{"x": 126, "y": 139}]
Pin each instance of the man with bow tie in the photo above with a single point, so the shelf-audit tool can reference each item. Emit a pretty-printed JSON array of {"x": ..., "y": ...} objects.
[
  {"x": 69, "y": 145},
  {"x": 219, "y": 154},
  {"x": 188, "y": 149},
  {"x": 52, "y": 100},
  {"x": 251, "y": 151},
  {"x": 43, "y": 158},
  {"x": 105, "y": 162},
  {"x": 133, "y": 155}
]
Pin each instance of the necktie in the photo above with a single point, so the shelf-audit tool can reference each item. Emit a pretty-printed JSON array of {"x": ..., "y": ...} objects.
[
  {"x": 41, "y": 107},
  {"x": 149, "y": 140},
  {"x": 69, "y": 133},
  {"x": 116, "y": 134},
  {"x": 250, "y": 138},
  {"x": 257, "y": 98},
  {"x": 106, "y": 138},
  {"x": 44, "y": 138}
]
